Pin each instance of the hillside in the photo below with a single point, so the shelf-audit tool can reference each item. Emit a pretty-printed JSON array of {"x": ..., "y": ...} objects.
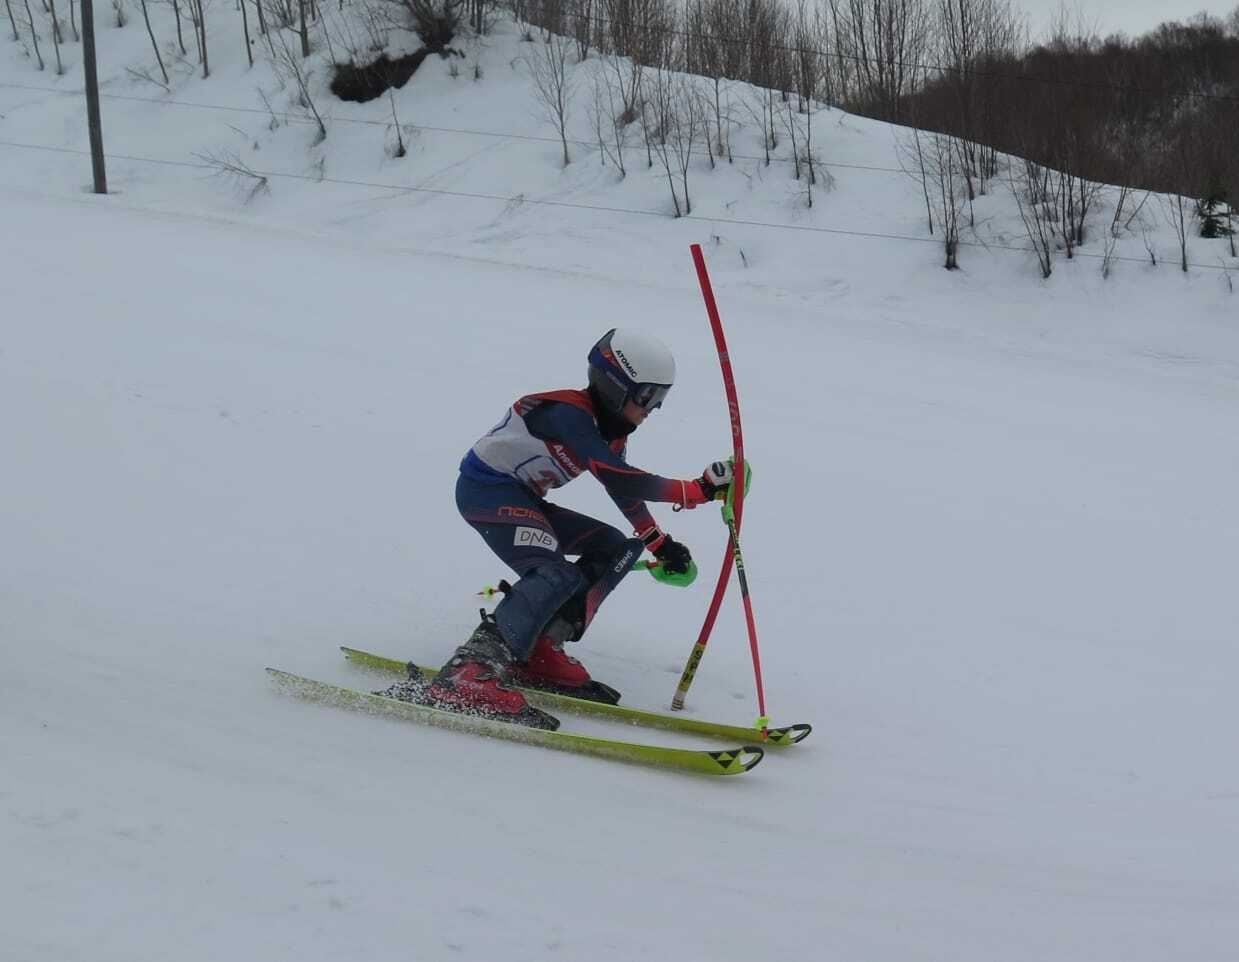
[{"x": 989, "y": 542}]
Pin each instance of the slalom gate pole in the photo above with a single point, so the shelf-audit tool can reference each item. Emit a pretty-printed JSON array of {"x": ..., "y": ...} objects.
[{"x": 733, "y": 512}]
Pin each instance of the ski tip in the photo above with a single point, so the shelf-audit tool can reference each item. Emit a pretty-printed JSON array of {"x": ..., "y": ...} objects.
[
  {"x": 736, "y": 761},
  {"x": 788, "y": 734}
]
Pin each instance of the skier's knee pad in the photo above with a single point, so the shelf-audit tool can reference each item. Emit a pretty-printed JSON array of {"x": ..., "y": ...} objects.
[{"x": 532, "y": 601}]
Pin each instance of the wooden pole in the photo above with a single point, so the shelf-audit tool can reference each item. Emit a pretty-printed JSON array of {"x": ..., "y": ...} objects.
[{"x": 92, "y": 97}]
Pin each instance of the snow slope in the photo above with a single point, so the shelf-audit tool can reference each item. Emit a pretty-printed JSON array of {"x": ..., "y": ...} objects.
[{"x": 990, "y": 544}]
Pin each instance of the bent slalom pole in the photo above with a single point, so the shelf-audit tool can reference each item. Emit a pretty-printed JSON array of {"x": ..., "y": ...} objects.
[
  {"x": 737, "y": 434},
  {"x": 732, "y": 512}
]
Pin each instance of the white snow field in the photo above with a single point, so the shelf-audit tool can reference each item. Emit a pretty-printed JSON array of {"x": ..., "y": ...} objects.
[{"x": 991, "y": 543}]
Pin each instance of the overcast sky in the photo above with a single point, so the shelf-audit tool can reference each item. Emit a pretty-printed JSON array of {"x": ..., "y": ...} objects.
[{"x": 1132, "y": 17}]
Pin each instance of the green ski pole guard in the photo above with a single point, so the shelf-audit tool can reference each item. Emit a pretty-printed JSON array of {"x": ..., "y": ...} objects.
[
  {"x": 680, "y": 579},
  {"x": 748, "y": 481}
]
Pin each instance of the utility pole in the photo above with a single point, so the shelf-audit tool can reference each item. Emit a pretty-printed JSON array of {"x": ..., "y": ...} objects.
[{"x": 92, "y": 97}]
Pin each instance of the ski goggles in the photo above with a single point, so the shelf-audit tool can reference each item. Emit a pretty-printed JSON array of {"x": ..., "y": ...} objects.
[{"x": 649, "y": 396}]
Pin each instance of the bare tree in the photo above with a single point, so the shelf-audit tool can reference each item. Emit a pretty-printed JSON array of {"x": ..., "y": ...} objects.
[
  {"x": 1107, "y": 259},
  {"x": 34, "y": 35},
  {"x": 947, "y": 189},
  {"x": 197, "y": 17},
  {"x": 12, "y": 20},
  {"x": 548, "y": 66},
  {"x": 1027, "y": 188},
  {"x": 882, "y": 41},
  {"x": 245, "y": 29},
  {"x": 689, "y": 128},
  {"x": 624, "y": 75},
  {"x": 756, "y": 102},
  {"x": 60, "y": 67},
  {"x": 1176, "y": 208},
  {"x": 180, "y": 37},
  {"x": 607, "y": 119},
  {"x": 707, "y": 54},
  {"x": 154, "y": 43},
  {"x": 637, "y": 28},
  {"x": 291, "y": 68},
  {"x": 580, "y": 16},
  {"x": 662, "y": 123}
]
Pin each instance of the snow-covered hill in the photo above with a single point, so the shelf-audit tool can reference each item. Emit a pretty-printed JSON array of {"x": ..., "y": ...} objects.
[{"x": 990, "y": 543}]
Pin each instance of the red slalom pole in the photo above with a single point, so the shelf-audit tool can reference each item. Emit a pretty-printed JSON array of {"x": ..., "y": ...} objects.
[{"x": 737, "y": 510}]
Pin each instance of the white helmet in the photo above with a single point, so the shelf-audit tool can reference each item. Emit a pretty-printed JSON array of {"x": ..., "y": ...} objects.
[{"x": 629, "y": 366}]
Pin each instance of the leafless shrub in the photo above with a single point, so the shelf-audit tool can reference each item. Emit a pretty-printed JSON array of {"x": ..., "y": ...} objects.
[
  {"x": 434, "y": 21},
  {"x": 400, "y": 149},
  {"x": 122, "y": 15},
  {"x": 231, "y": 167},
  {"x": 274, "y": 123},
  {"x": 1149, "y": 246},
  {"x": 143, "y": 74}
]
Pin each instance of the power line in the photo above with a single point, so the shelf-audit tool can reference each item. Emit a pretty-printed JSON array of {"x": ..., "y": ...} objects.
[
  {"x": 521, "y": 199},
  {"x": 498, "y": 135}
]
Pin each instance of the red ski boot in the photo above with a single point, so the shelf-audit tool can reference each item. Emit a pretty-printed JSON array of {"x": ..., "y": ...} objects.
[
  {"x": 549, "y": 663},
  {"x": 550, "y": 668},
  {"x": 472, "y": 682}
]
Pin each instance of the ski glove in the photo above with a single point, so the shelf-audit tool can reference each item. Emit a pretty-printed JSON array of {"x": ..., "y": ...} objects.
[
  {"x": 674, "y": 556},
  {"x": 715, "y": 478},
  {"x": 707, "y": 487}
]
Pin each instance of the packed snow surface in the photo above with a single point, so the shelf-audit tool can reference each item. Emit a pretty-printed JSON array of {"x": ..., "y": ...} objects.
[{"x": 991, "y": 545}]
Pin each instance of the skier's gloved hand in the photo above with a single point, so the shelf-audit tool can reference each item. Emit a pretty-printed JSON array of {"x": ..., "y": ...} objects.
[
  {"x": 715, "y": 478},
  {"x": 674, "y": 556}
]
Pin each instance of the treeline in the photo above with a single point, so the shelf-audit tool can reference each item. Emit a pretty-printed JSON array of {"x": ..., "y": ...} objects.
[
  {"x": 1160, "y": 112},
  {"x": 1156, "y": 113}
]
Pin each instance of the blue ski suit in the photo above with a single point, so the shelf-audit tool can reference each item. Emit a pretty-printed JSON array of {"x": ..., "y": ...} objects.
[{"x": 544, "y": 441}]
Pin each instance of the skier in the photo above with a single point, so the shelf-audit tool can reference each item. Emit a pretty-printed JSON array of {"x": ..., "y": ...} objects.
[{"x": 544, "y": 441}]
